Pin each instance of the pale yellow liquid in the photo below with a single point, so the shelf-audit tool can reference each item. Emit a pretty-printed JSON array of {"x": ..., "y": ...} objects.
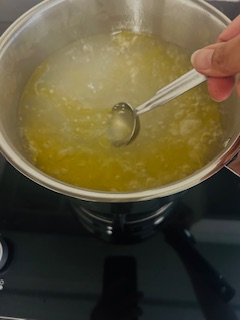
[{"x": 66, "y": 106}]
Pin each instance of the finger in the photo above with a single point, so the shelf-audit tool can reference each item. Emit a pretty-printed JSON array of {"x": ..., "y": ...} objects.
[
  {"x": 231, "y": 31},
  {"x": 220, "y": 88},
  {"x": 218, "y": 60},
  {"x": 238, "y": 87}
]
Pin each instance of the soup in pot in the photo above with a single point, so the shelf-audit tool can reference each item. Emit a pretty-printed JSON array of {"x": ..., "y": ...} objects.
[{"x": 65, "y": 110}]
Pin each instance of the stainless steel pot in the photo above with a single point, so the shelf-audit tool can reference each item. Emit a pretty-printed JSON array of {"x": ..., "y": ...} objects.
[{"x": 55, "y": 23}]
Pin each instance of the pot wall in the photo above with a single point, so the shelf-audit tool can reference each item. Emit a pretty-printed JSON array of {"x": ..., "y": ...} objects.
[{"x": 55, "y": 23}]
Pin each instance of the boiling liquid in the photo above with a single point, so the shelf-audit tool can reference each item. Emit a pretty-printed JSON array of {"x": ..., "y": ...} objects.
[{"x": 66, "y": 106}]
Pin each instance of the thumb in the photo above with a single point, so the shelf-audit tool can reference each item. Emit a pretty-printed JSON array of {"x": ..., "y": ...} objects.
[{"x": 218, "y": 60}]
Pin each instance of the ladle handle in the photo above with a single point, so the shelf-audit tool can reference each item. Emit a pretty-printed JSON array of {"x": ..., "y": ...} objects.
[{"x": 186, "y": 82}]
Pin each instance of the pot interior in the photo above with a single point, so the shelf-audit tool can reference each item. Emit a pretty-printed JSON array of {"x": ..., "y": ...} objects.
[{"x": 54, "y": 24}]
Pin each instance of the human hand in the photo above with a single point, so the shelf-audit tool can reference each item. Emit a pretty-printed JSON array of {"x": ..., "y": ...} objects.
[{"x": 221, "y": 62}]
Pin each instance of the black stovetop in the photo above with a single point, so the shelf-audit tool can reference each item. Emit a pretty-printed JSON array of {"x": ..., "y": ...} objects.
[{"x": 55, "y": 269}]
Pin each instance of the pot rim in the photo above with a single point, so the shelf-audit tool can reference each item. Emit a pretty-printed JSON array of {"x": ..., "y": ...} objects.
[{"x": 27, "y": 169}]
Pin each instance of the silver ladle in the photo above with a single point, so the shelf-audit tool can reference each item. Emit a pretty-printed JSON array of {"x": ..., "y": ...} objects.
[{"x": 125, "y": 124}]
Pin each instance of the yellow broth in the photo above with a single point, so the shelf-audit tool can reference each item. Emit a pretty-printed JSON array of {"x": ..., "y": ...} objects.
[{"x": 65, "y": 109}]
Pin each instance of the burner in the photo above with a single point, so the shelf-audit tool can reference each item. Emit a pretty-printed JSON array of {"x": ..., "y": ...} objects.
[{"x": 122, "y": 223}]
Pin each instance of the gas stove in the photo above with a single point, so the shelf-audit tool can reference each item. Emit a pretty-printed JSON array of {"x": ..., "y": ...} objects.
[{"x": 183, "y": 263}]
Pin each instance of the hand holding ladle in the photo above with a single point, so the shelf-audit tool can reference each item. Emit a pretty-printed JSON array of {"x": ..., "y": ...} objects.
[{"x": 125, "y": 123}]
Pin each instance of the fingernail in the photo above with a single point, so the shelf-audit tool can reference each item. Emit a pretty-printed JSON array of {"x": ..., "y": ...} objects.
[{"x": 202, "y": 59}]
